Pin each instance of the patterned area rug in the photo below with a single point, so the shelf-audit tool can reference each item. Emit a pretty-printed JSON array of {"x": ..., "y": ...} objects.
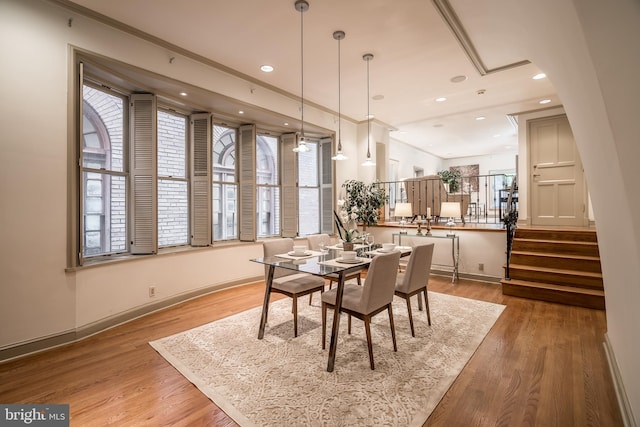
[{"x": 282, "y": 380}]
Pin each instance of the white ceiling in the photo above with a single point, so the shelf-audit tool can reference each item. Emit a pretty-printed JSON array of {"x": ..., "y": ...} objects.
[{"x": 415, "y": 55}]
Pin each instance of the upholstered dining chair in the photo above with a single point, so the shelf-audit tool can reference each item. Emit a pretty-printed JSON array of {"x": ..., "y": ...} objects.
[
  {"x": 415, "y": 279},
  {"x": 366, "y": 301},
  {"x": 289, "y": 282}
]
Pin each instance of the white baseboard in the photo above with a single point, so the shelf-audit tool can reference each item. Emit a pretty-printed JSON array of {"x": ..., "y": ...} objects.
[
  {"x": 625, "y": 408},
  {"x": 38, "y": 345}
]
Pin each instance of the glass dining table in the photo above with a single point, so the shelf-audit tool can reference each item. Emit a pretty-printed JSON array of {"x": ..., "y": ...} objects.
[{"x": 319, "y": 264}]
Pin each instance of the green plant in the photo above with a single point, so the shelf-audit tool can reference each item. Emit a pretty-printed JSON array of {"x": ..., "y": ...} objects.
[
  {"x": 364, "y": 201},
  {"x": 451, "y": 177}
]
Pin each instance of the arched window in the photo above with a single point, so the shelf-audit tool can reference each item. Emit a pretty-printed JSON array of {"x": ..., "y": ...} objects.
[{"x": 103, "y": 176}]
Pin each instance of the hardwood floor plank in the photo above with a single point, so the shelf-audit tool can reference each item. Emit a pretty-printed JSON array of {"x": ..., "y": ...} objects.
[{"x": 541, "y": 364}]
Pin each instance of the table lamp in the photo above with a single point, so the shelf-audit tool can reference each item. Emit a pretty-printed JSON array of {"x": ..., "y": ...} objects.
[
  {"x": 403, "y": 210},
  {"x": 451, "y": 210}
]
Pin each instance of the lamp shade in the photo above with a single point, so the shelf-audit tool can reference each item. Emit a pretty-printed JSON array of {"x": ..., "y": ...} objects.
[
  {"x": 403, "y": 209},
  {"x": 450, "y": 210}
]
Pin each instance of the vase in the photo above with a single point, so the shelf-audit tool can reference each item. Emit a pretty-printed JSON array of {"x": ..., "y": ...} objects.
[{"x": 347, "y": 246}]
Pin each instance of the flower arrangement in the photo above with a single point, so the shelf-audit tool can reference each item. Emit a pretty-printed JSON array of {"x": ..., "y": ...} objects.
[
  {"x": 344, "y": 220},
  {"x": 363, "y": 201}
]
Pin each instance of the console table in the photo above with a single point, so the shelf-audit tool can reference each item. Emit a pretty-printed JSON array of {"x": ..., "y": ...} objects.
[{"x": 455, "y": 247}]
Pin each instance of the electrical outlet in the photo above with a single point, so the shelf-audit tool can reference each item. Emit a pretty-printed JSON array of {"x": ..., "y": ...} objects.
[
  {"x": 481, "y": 266},
  {"x": 152, "y": 291}
]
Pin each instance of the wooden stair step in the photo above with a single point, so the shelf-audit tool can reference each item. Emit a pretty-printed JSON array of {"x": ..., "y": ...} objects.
[
  {"x": 582, "y": 297},
  {"x": 565, "y": 261},
  {"x": 556, "y": 246},
  {"x": 556, "y": 275},
  {"x": 557, "y": 234}
]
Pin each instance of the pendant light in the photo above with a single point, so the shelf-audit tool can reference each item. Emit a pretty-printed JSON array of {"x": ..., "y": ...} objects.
[
  {"x": 339, "y": 35},
  {"x": 368, "y": 162},
  {"x": 301, "y": 6}
]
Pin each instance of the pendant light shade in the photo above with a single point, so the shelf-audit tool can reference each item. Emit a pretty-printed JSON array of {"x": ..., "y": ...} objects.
[
  {"x": 339, "y": 35},
  {"x": 301, "y": 6},
  {"x": 368, "y": 162}
]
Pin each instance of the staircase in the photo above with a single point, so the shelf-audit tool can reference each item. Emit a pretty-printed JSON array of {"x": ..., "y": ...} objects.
[{"x": 556, "y": 265}]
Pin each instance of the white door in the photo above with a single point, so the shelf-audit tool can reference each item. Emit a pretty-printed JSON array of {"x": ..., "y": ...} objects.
[{"x": 558, "y": 193}]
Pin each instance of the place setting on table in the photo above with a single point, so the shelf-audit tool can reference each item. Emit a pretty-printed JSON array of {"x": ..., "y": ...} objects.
[
  {"x": 390, "y": 247},
  {"x": 300, "y": 252}
]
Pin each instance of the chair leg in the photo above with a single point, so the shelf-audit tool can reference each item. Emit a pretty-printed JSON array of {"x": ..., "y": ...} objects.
[
  {"x": 393, "y": 328},
  {"x": 367, "y": 328},
  {"x": 420, "y": 301},
  {"x": 408, "y": 299},
  {"x": 310, "y": 298},
  {"x": 359, "y": 279},
  {"x": 426, "y": 304},
  {"x": 295, "y": 316},
  {"x": 324, "y": 324},
  {"x": 349, "y": 325}
]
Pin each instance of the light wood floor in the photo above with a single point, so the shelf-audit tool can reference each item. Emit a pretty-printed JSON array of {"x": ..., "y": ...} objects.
[{"x": 542, "y": 364}]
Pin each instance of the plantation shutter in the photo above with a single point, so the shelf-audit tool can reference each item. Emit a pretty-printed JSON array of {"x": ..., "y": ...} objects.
[
  {"x": 200, "y": 179},
  {"x": 78, "y": 236},
  {"x": 144, "y": 184},
  {"x": 247, "y": 150},
  {"x": 326, "y": 186},
  {"x": 289, "y": 182}
]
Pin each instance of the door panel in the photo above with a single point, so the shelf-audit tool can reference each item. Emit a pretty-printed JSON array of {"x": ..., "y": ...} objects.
[{"x": 558, "y": 195}]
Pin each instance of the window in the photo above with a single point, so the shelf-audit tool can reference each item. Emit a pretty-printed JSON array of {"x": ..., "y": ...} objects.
[
  {"x": 152, "y": 176},
  {"x": 267, "y": 186},
  {"x": 104, "y": 175},
  {"x": 173, "y": 195},
  {"x": 225, "y": 186},
  {"x": 309, "y": 190}
]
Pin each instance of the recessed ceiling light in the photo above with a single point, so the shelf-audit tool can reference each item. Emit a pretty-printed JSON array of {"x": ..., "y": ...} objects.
[
  {"x": 183, "y": 93},
  {"x": 266, "y": 68},
  {"x": 370, "y": 116},
  {"x": 441, "y": 99},
  {"x": 539, "y": 76},
  {"x": 458, "y": 79},
  {"x": 497, "y": 135},
  {"x": 240, "y": 112},
  {"x": 286, "y": 123},
  {"x": 545, "y": 101},
  {"x": 480, "y": 118}
]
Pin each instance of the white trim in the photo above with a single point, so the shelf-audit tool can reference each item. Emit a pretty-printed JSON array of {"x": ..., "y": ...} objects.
[{"x": 625, "y": 407}]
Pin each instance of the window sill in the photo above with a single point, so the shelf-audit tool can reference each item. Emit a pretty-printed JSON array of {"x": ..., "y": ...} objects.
[{"x": 174, "y": 250}]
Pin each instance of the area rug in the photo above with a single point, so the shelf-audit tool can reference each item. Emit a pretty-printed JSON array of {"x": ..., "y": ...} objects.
[{"x": 281, "y": 380}]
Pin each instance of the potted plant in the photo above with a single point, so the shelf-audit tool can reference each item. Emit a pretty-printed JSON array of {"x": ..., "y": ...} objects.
[
  {"x": 451, "y": 179},
  {"x": 364, "y": 200},
  {"x": 347, "y": 235}
]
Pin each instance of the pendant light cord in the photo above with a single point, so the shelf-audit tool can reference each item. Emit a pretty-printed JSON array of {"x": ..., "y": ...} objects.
[
  {"x": 368, "y": 114},
  {"x": 302, "y": 73},
  {"x": 339, "y": 110}
]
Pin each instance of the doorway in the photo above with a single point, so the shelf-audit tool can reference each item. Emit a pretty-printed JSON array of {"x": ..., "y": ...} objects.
[{"x": 558, "y": 189}]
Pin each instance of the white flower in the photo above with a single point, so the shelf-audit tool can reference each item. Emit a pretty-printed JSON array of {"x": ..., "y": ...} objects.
[{"x": 340, "y": 203}]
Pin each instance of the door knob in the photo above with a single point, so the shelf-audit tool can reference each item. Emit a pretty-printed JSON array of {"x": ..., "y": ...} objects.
[{"x": 536, "y": 174}]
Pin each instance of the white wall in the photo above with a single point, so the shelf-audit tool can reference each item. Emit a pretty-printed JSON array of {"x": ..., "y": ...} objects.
[
  {"x": 408, "y": 157},
  {"x": 589, "y": 51},
  {"x": 493, "y": 245}
]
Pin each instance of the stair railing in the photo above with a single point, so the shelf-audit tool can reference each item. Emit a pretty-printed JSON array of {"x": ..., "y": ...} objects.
[{"x": 510, "y": 220}]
